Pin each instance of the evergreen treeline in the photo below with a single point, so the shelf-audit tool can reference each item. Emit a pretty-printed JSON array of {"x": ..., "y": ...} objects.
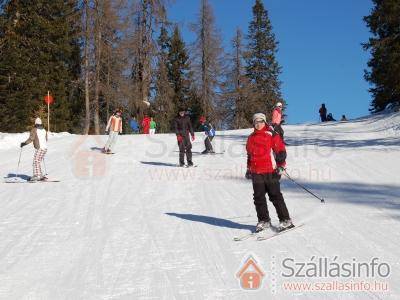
[
  {"x": 384, "y": 66},
  {"x": 98, "y": 55}
]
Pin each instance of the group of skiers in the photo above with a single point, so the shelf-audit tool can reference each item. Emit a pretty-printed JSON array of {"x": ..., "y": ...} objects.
[
  {"x": 262, "y": 141},
  {"x": 148, "y": 125},
  {"x": 328, "y": 117}
]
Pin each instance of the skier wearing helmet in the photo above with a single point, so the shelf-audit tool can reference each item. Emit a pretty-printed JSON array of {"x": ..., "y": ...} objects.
[
  {"x": 277, "y": 119},
  {"x": 209, "y": 131}
]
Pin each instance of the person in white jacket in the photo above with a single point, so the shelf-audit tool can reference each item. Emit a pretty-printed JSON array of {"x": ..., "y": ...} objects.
[
  {"x": 114, "y": 127},
  {"x": 38, "y": 136}
]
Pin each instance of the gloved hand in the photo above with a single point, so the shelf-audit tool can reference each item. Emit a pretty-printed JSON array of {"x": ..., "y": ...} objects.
[
  {"x": 193, "y": 138},
  {"x": 179, "y": 138},
  {"x": 280, "y": 170},
  {"x": 248, "y": 174},
  {"x": 23, "y": 144}
]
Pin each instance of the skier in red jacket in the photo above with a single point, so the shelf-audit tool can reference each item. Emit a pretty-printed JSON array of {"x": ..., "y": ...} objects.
[{"x": 264, "y": 177}]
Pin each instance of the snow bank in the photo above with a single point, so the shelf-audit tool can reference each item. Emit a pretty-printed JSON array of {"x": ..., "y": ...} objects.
[{"x": 13, "y": 140}]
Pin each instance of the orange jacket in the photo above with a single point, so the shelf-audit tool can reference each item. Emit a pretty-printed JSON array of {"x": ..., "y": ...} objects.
[{"x": 114, "y": 124}]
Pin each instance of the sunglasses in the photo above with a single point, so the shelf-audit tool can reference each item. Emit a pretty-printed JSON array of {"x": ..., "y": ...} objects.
[{"x": 258, "y": 122}]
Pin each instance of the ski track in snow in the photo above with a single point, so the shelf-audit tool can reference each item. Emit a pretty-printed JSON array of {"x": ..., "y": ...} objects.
[{"x": 134, "y": 226}]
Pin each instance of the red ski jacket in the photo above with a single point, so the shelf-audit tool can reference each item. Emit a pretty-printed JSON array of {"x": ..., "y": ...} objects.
[{"x": 259, "y": 145}]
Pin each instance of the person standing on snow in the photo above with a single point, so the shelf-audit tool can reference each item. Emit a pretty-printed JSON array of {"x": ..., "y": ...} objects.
[
  {"x": 183, "y": 127},
  {"x": 114, "y": 127},
  {"x": 146, "y": 124},
  {"x": 330, "y": 117},
  {"x": 210, "y": 133},
  {"x": 134, "y": 125},
  {"x": 38, "y": 136},
  {"x": 153, "y": 126},
  {"x": 264, "y": 177},
  {"x": 322, "y": 112},
  {"x": 277, "y": 119}
]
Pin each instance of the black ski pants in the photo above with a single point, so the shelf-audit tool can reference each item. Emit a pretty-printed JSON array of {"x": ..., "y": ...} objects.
[
  {"x": 278, "y": 129},
  {"x": 207, "y": 143},
  {"x": 185, "y": 147},
  {"x": 268, "y": 184}
]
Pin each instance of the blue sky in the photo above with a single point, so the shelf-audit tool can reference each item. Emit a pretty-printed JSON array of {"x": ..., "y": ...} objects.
[{"x": 319, "y": 49}]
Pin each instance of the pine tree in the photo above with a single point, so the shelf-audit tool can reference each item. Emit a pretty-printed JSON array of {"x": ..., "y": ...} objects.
[
  {"x": 39, "y": 52},
  {"x": 163, "y": 103},
  {"x": 237, "y": 88},
  {"x": 178, "y": 61},
  {"x": 384, "y": 24},
  {"x": 262, "y": 67},
  {"x": 147, "y": 16},
  {"x": 208, "y": 62}
]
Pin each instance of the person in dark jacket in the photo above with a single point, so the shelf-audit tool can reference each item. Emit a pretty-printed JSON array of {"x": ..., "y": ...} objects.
[
  {"x": 330, "y": 117},
  {"x": 322, "y": 112},
  {"x": 183, "y": 127},
  {"x": 264, "y": 176}
]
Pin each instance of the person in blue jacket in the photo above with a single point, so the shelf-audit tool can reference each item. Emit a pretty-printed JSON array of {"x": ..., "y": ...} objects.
[
  {"x": 210, "y": 133},
  {"x": 134, "y": 125}
]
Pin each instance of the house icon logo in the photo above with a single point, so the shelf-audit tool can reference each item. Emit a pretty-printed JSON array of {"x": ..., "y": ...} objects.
[
  {"x": 250, "y": 274},
  {"x": 87, "y": 160}
]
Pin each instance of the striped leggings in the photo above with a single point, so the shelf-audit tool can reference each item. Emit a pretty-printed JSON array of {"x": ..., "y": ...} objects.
[{"x": 37, "y": 159}]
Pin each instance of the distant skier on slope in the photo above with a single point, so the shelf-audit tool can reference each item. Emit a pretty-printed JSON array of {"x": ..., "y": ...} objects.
[
  {"x": 277, "y": 119},
  {"x": 330, "y": 118},
  {"x": 134, "y": 125},
  {"x": 322, "y": 112},
  {"x": 264, "y": 177},
  {"x": 146, "y": 124},
  {"x": 209, "y": 131},
  {"x": 153, "y": 126},
  {"x": 38, "y": 136},
  {"x": 114, "y": 127},
  {"x": 183, "y": 127}
]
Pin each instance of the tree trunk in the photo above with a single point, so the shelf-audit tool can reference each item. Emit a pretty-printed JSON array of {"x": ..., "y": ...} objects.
[
  {"x": 98, "y": 69},
  {"x": 86, "y": 55}
]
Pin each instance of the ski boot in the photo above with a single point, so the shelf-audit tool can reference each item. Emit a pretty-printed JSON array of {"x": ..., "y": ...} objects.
[
  {"x": 262, "y": 225},
  {"x": 285, "y": 225}
]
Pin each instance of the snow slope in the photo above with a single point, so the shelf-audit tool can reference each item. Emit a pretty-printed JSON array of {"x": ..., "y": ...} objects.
[{"x": 133, "y": 226}]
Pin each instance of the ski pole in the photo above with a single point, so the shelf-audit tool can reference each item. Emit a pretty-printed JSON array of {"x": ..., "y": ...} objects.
[
  {"x": 304, "y": 188},
  {"x": 19, "y": 161},
  {"x": 45, "y": 169}
]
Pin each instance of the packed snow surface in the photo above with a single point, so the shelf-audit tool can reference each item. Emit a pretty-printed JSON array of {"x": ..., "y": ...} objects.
[{"x": 134, "y": 226}]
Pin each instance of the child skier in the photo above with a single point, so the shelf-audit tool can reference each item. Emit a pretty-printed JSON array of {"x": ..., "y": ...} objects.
[
  {"x": 183, "y": 127},
  {"x": 277, "y": 119},
  {"x": 210, "y": 133},
  {"x": 114, "y": 127},
  {"x": 153, "y": 126},
  {"x": 38, "y": 136},
  {"x": 264, "y": 177}
]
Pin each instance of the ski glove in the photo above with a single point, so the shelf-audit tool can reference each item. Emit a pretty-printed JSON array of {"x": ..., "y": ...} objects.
[
  {"x": 179, "y": 138},
  {"x": 193, "y": 137},
  {"x": 23, "y": 144},
  {"x": 280, "y": 170},
  {"x": 248, "y": 175}
]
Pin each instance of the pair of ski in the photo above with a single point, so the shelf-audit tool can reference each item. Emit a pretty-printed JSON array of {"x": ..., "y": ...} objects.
[
  {"x": 187, "y": 166},
  {"x": 265, "y": 234},
  {"x": 20, "y": 180}
]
